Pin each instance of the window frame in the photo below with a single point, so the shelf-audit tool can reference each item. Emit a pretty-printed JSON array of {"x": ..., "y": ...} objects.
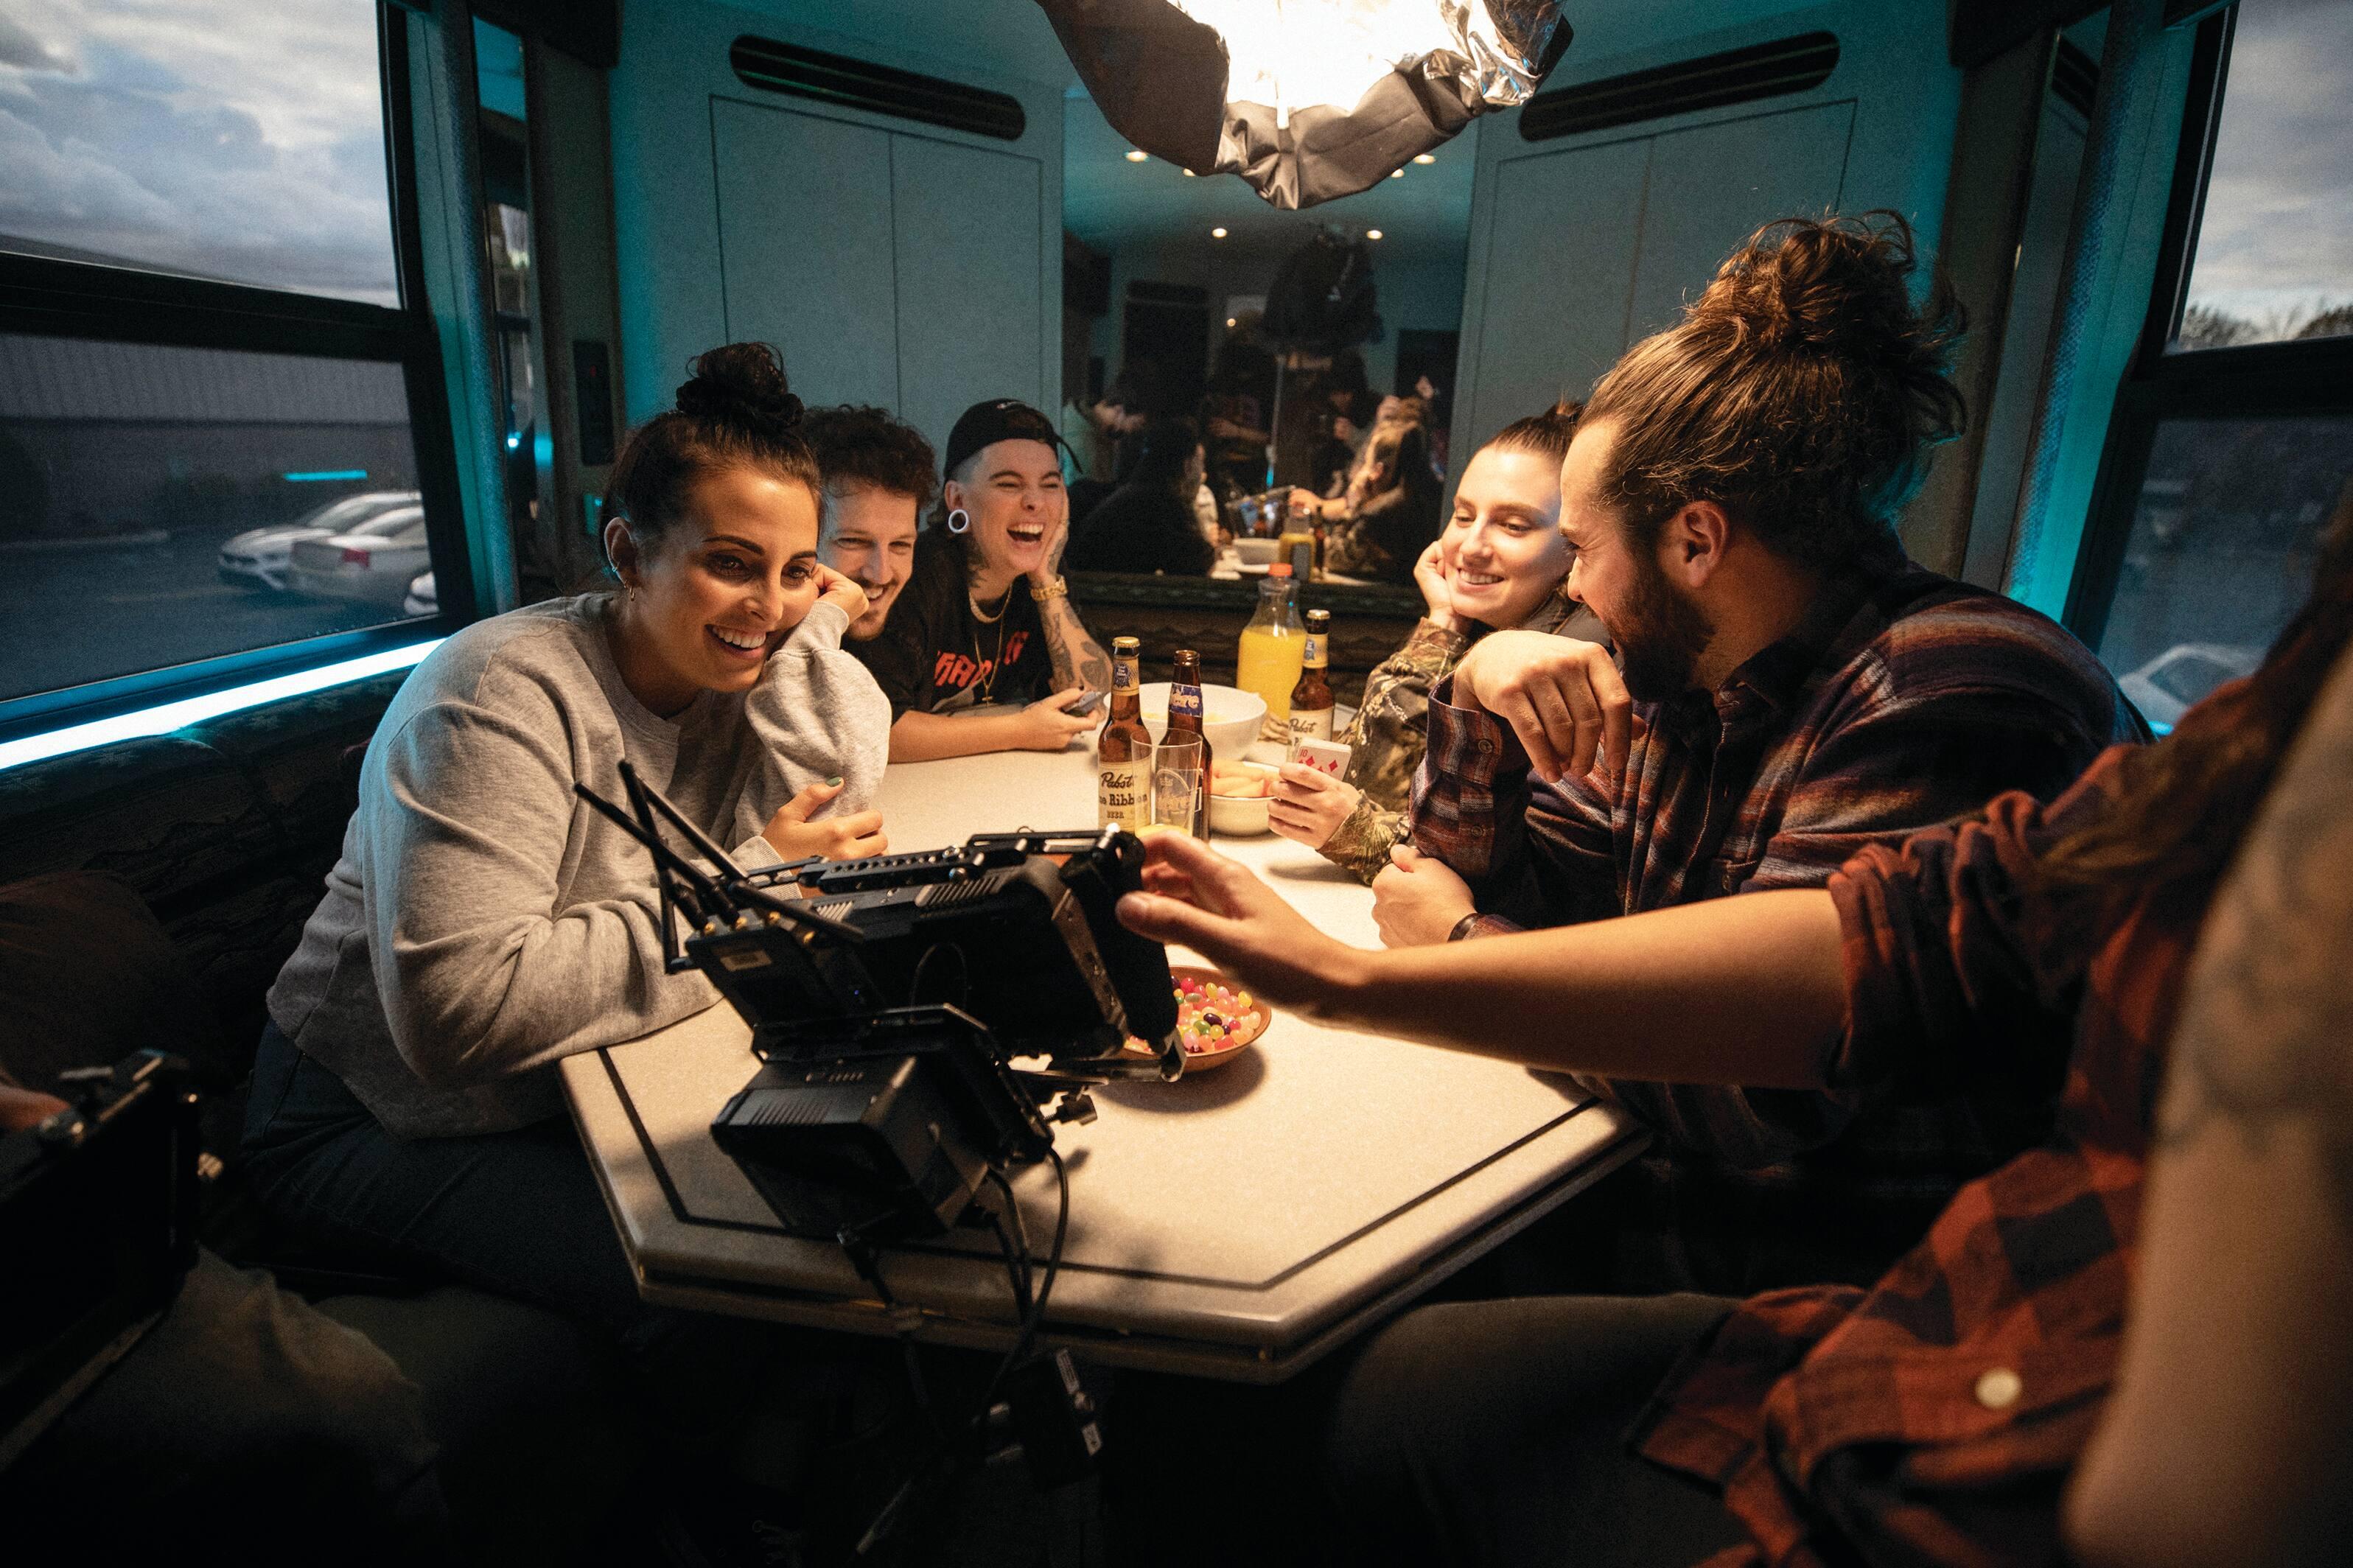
[
  {"x": 2301, "y": 377},
  {"x": 47, "y": 297}
]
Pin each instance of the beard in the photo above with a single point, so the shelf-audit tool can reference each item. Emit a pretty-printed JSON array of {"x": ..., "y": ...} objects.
[{"x": 1660, "y": 635}]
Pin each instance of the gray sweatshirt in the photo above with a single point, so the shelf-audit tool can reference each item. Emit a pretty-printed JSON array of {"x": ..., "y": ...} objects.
[{"x": 483, "y": 921}]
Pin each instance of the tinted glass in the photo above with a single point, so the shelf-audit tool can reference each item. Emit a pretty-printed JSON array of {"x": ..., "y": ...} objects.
[
  {"x": 214, "y": 138},
  {"x": 2221, "y": 551},
  {"x": 2275, "y": 249},
  {"x": 156, "y": 497}
]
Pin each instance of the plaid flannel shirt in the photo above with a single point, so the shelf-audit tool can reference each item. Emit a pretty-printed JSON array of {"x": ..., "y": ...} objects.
[
  {"x": 1390, "y": 731},
  {"x": 1903, "y": 701},
  {"x": 1934, "y": 1418}
]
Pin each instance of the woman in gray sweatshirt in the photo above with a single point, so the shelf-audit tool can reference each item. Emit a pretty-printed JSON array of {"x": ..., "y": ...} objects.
[{"x": 482, "y": 922}]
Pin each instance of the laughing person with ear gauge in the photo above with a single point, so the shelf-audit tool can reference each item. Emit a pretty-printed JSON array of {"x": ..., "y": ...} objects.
[{"x": 983, "y": 652}]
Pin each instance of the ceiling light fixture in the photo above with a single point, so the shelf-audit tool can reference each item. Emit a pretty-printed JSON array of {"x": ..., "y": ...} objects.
[
  {"x": 1229, "y": 321},
  {"x": 1137, "y": 154},
  {"x": 1372, "y": 234},
  {"x": 1397, "y": 174},
  {"x": 1217, "y": 234},
  {"x": 1189, "y": 174},
  {"x": 1425, "y": 157},
  {"x": 1307, "y": 99}
]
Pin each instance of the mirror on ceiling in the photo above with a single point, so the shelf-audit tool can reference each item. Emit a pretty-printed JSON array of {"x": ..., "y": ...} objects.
[{"x": 1310, "y": 350}]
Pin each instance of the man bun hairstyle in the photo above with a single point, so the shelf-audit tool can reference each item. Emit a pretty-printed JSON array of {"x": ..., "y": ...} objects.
[
  {"x": 857, "y": 444},
  {"x": 1548, "y": 434},
  {"x": 734, "y": 410},
  {"x": 1800, "y": 391}
]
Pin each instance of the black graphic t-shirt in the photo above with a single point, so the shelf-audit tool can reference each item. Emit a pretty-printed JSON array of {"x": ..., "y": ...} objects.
[{"x": 935, "y": 656}]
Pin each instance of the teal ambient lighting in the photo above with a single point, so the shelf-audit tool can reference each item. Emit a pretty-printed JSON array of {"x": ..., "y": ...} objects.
[
  {"x": 315, "y": 474},
  {"x": 170, "y": 716}
]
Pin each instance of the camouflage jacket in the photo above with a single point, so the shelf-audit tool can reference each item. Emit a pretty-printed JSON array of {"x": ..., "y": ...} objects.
[{"x": 1390, "y": 731}]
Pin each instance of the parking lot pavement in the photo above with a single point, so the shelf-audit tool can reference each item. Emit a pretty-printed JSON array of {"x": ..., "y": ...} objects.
[{"x": 93, "y": 612}]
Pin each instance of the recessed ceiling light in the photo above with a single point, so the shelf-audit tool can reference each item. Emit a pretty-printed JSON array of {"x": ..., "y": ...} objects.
[
  {"x": 1188, "y": 174},
  {"x": 1372, "y": 234},
  {"x": 1217, "y": 234},
  {"x": 1137, "y": 154},
  {"x": 1229, "y": 321},
  {"x": 1425, "y": 157},
  {"x": 1397, "y": 174}
]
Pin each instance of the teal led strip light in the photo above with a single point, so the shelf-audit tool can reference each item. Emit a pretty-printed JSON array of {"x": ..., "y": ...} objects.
[{"x": 170, "y": 716}]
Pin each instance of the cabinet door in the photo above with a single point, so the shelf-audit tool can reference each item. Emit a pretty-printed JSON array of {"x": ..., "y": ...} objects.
[
  {"x": 1711, "y": 187},
  {"x": 971, "y": 324},
  {"x": 804, "y": 249},
  {"x": 1560, "y": 264}
]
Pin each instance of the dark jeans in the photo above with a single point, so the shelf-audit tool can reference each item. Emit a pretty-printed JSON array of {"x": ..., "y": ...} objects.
[
  {"x": 1490, "y": 1432},
  {"x": 515, "y": 1213}
]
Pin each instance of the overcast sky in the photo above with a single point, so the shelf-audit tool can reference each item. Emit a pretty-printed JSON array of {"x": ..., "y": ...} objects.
[
  {"x": 2278, "y": 230},
  {"x": 223, "y": 137}
]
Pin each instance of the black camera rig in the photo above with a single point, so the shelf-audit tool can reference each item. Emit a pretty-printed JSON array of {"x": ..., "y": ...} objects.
[{"x": 923, "y": 1019}]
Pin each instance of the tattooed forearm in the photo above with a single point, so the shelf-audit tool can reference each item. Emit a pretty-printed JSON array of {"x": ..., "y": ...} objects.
[
  {"x": 1079, "y": 659},
  {"x": 2265, "y": 1037}
]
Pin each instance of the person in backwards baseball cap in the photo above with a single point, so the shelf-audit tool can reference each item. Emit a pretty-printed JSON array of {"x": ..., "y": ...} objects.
[{"x": 983, "y": 652}]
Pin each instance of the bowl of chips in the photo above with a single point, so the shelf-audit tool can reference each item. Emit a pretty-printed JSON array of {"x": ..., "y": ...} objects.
[{"x": 1238, "y": 796}]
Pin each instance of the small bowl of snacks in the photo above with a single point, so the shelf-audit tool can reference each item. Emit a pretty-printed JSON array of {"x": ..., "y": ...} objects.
[
  {"x": 1238, "y": 796},
  {"x": 1216, "y": 1019}
]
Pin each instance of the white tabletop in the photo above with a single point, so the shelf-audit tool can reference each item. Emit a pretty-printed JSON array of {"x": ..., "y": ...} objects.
[{"x": 1236, "y": 1223}]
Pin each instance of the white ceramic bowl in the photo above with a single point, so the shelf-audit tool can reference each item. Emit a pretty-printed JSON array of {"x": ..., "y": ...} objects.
[
  {"x": 1257, "y": 552},
  {"x": 1229, "y": 718},
  {"x": 1238, "y": 814}
]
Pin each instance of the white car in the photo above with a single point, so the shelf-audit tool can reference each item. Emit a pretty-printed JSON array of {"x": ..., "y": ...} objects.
[
  {"x": 259, "y": 556},
  {"x": 375, "y": 562},
  {"x": 422, "y": 599},
  {"x": 2168, "y": 685}
]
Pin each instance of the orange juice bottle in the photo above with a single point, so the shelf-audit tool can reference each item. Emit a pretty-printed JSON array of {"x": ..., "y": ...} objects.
[{"x": 1273, "y": 648}]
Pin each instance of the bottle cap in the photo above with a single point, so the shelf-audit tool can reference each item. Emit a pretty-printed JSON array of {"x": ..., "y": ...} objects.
[{"x": 1280, "y": 569}]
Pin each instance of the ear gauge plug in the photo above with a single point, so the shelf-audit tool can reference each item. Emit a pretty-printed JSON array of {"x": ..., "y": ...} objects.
[{"x": 958, "y": 521}]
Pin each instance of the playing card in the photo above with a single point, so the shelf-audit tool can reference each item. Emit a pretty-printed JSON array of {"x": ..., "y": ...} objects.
[{"x": 1323, "y": 756}]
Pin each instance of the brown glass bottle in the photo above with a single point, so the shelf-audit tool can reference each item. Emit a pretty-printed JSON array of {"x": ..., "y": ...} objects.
[
  {"x": 1185, "y": 719},
  {"x": 1310, "y": 700},
  {"x": 1123, "y": 751}
]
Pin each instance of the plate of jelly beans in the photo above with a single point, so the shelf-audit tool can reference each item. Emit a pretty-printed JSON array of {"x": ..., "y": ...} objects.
[{"x": 1216, "y": 1019}]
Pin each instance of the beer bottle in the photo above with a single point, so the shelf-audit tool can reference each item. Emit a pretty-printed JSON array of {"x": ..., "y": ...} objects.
[
  {"x": 1123, "y": 751},
  {"x": 1310, "y": 700},
  {"x": 1185, "y": 719}
]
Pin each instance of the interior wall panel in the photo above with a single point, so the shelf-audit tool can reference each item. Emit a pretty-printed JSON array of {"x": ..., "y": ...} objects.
[
  {"x": 800, "y": 267},
  {"x": 971, "y": 313}
]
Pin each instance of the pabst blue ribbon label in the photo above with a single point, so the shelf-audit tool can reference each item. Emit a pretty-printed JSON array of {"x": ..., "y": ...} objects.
[{"x": 1185, "y": 700}]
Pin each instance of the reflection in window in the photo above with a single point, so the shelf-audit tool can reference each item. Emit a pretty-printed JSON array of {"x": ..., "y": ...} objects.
[
  {"x": 170, "y": 504},
  {"x": 2275, "y": 248},
  {"x": 212, "y": 138},
  {"x": 2221, "y": 551}
]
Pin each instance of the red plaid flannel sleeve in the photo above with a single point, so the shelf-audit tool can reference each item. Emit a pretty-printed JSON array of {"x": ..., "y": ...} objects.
[{"x": 1530, "y": 854}]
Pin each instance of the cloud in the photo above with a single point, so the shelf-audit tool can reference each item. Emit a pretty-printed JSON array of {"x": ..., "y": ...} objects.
[
  {"x": 220, "y": 140},
  {"x": 2277, "y": 233},
  {"x": 18, "y": 47}
]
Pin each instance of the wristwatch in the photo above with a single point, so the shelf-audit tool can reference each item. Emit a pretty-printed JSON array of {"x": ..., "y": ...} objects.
[
  {"x": 1462, "y": 927},
  {"x": 1060, "y": 590}
]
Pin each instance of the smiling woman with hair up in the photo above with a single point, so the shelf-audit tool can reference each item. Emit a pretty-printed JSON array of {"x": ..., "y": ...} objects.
[{"x": 484, "y": 922}]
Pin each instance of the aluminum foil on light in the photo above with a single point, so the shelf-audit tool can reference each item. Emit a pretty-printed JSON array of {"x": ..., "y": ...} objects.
[{"x": 1306, "y": 100}]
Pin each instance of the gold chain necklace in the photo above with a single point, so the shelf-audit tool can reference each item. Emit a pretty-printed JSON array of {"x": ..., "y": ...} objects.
[{"x": 994, "y": 665}]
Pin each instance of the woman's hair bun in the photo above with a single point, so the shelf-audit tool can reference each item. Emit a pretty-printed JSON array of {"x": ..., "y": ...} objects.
[{"x": 741, "y": 384}]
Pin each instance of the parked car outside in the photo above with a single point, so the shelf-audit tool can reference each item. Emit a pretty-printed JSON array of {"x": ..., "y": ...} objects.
[
  {"x": 259, "y": 556},
  {"x": 375, "y": 562},
  {"x": 423, "y": 599},
  {"x": 2168, "y": 685}
]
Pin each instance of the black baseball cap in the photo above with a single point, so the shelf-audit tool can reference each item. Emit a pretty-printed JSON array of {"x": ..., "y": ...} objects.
[{"x": 998, "y": 419}]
